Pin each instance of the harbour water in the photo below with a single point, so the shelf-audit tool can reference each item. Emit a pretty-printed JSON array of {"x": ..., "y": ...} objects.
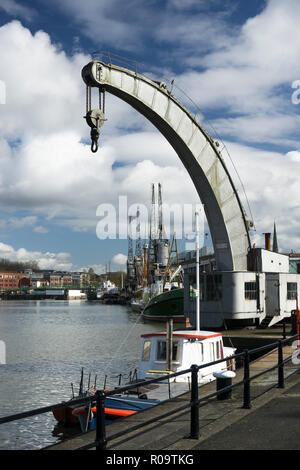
[{"x": 47, "y": 344}]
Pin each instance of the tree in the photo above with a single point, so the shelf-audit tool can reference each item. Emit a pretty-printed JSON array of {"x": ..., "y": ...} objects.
[{"x": 93, "y": 277}]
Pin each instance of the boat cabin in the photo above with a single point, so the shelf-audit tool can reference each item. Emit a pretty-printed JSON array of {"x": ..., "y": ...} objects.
[{"x": 188, "y": 348}]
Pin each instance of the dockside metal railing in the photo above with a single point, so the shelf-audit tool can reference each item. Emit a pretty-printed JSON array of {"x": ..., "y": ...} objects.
[{"x": 101, "y": 440}]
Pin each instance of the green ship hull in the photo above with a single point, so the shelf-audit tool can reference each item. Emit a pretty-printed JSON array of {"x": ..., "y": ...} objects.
[{"x": 165, "y": 306}]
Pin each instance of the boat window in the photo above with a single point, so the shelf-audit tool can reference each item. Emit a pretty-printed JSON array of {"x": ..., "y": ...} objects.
[
  {"x": 146, "y": 351},
  {"x": 162, "y": 351},
  {"x": 218, "y": 355},
  {"x": 212, "y": 352},
  {"x": 250, "y": 290},
  {"x": 200, "y": 351},
  {"x": 218, "y": 347}
]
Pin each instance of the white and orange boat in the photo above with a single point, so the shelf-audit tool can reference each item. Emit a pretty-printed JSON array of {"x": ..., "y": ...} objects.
[
  {"x": 117, "y": 406},
  {"x": 187, "y": 347},
  {"x": 166, "y": 353},
  {"x": 169, "y": 352}
]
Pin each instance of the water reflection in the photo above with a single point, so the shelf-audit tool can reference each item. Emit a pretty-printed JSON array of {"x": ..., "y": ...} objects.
[{"x": 47, "y": 344}]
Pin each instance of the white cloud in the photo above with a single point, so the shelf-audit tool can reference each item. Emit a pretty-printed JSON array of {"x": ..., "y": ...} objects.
[
  {"x": 279, "y": 129},
  {"x": 119, "y": 259},
  {"x": 40, "y": 229},
  {"x": 107, "y": 22},
  {"x": 50, "y": 171},
  {"x": 46, "y": 260},
  {"x": 271, "y": 183},
  {"x": 45, "y": 167},
  {"x": 13, "y": 8},
  {"x": 137, "y": 146},
  {"x": 98, "y": 268},
  {"x": 15, "y": 223},
  {"x": 44, "y": 89}
]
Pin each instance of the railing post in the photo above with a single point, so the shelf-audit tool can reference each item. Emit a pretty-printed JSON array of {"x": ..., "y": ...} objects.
[
  {"x": 194, "y": 404},
  {"x": 247, "y": 399},
  {"x": 280, "y": 366},
  {"x": 100, "y": 421}
]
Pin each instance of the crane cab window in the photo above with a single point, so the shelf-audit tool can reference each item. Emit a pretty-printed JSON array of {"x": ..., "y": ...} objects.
[{"x": 291, "y": 290}]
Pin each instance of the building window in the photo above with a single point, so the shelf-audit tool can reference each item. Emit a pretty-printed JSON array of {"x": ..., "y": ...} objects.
[
  {"x": 250, "y": 291},
  {"x": 291, "y": 290},
  {"x": 146, "y": 351},
  {"x": 214, "y": 287}
]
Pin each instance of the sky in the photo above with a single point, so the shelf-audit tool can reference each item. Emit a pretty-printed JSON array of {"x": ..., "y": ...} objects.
[{"x": 239, "y": 63}]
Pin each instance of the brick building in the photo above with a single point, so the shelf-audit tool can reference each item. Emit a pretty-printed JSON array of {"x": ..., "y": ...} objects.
[{"x": 14, "y": 280}]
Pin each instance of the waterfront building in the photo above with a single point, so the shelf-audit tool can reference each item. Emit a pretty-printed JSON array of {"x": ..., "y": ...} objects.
[
  {"x": 84, "y": 279},
  {"x": 55, "y": 280},
  {"x": 13, "y": 280},
  {"x": 75, "y": 279},
  {"x": 66, "y": 280}
]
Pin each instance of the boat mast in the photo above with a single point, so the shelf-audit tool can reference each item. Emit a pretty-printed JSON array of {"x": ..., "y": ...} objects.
[{"x": 197, "y": 274}]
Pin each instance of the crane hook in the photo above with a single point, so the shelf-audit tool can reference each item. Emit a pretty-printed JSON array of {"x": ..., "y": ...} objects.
[
  {"x": 95, "y": 119},
  {"x": 94, "y": 137}
]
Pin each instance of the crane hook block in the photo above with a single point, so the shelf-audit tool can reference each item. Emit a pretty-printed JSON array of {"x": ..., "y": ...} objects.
[{"x": 95, "y": 118}]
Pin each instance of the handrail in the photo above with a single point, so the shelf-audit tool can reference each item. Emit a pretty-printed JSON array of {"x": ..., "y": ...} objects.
[{"x": 100, "y": 395}]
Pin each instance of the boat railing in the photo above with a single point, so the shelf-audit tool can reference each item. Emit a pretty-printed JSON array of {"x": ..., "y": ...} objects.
[{"x": 101, "y": 439}]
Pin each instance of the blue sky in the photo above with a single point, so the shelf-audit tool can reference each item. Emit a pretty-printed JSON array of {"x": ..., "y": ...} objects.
[{"x": 237, "y": 60}]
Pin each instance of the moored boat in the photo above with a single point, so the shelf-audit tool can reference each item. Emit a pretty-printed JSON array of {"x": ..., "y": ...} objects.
[
  {"x": 165, "y": 353},
  {"x": 166, "y": 305},
  {"x": 169, "y": 352},
  {"x": 137, "y": 305},
  {"x": 186, "y": 347},
  {"x": 115, "y": 407},
  {"x": 64, "y": 415}
]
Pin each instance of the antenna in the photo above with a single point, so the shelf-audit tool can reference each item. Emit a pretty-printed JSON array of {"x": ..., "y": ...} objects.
[
  {"x": 197, "y": 274},
  {"x": 138, "y": 246},
  {"x": 130, "y": 259},
  {"x": 130, "y": 246},
  {"x": 160, "y": 216},
  {"x": 152, "y": 238}
]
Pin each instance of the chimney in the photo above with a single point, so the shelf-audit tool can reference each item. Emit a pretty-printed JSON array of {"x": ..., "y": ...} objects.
[{"x": 268, "y": 241}]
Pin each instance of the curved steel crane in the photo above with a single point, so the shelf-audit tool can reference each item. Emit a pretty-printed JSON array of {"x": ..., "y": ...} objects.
[{"x": 194, "y": 146}]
